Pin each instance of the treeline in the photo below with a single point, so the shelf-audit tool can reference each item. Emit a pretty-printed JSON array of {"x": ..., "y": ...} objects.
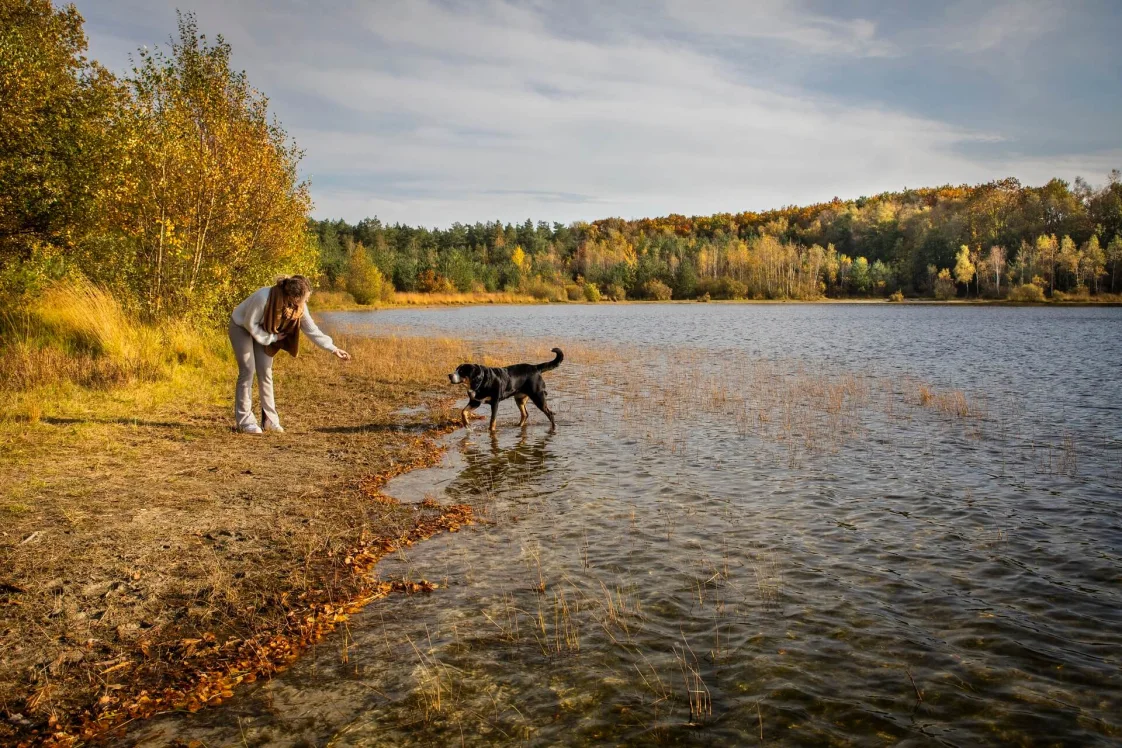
[
  {"x": 989, "y": 240},
  {"x": 170, "y": 187}
]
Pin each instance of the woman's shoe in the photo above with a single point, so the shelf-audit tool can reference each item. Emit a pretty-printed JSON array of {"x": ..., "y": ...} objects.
[
  {"x": 254, "y": 429},
  {"x": 274, "y": 427}
]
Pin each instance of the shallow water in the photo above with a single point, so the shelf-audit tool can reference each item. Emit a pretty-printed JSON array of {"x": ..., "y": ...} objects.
[{"x": 751, "y": 523}]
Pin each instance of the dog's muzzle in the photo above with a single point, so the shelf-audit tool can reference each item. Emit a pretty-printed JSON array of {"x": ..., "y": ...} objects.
[{"x": 454, "y": 378}]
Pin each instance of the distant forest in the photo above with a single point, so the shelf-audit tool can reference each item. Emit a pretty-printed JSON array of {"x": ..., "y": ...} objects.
[{"x": 995, "y": 240}]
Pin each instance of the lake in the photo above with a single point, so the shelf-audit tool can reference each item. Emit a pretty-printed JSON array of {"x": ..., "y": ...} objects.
[{"x": 798, "y": 524}]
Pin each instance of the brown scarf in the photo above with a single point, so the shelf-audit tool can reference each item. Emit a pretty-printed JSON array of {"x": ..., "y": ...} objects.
[{"x": 282, "y": 321}]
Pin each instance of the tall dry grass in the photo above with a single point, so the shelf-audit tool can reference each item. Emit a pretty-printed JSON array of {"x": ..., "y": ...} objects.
[
  {"x": 343, "y": 301},
  {"x": 402, "y": 298},
  {"x": 78, "y": 333},
  {"x": 326, "y": 300}
]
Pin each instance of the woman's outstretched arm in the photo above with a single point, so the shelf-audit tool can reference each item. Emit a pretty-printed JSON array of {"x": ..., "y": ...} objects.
[{"x": 317, "y": 336}]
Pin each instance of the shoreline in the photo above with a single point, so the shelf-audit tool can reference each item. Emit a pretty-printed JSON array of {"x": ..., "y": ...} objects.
[
  {"x": 332, "y": 308},
  {"x": 186, "y": 560}
]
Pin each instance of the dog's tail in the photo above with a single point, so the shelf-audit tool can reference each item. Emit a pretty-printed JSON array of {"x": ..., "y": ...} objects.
[{"x": 548, "y": 365}]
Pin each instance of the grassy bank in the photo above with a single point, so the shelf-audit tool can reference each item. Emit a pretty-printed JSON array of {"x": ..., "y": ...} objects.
[{"x": 150, "y": 558}]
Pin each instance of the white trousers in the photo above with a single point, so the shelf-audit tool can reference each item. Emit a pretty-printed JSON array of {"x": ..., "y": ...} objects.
[{"x": 252, "y": 358}]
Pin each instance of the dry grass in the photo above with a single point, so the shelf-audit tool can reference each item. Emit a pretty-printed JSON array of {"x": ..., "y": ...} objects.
[
  {"x": 669, "y": 393},
  {"x": 697, "y": 692},
  {"x": 342, "y": 301},
  {"x": 953, "y": 403},
  {"x": 138, "y": 534},
  {"x": 557, "y": 627},
  {"x": 332, "y": 301},
  {"x": 78, "y": 334},
  {"x": 454, "y": 299}
]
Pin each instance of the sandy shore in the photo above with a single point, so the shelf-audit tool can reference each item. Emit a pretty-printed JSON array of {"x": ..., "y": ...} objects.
[{"x": 151, "y": 559}]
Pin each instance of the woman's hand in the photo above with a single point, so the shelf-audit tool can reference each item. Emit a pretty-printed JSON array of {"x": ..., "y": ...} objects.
[{"x": 343, "y": 355}]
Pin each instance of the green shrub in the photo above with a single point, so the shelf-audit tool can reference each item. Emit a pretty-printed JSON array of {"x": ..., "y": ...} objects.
[
  {"x": 944, "y": 286},
  {"x": 723, "y": 288},
  {"x": 545, "y": 291},
  {"x": 591, "y": 292},
  {"x": 615, "y": 292},
  {"x": 1029, "y": 293},
  {"x": 655, "y": 290},
  {"x": 364, "y": 280}
]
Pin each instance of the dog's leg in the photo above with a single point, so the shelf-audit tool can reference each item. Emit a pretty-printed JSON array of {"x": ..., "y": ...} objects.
[
  {"x": 521, "y": 400},
  {"x": 465, "y": 414},
  {"x": 494, "y": 414},
  {"x": 539, "y": 400}
]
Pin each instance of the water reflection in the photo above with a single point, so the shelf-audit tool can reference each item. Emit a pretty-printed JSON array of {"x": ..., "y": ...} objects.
[{"x": 488, "y": 463}]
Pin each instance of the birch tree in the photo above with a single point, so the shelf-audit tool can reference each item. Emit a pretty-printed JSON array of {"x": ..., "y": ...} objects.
[
  {"x": 964, "y": 268},
  {"x": 997, "y": 265},
  {"x": 216, "y": 207}
]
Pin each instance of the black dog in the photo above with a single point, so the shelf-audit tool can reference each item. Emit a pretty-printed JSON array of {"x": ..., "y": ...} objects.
[{"x": 492, "y": 385}]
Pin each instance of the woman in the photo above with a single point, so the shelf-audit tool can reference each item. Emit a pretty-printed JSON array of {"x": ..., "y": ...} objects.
[{"x": 269, "y": 321}]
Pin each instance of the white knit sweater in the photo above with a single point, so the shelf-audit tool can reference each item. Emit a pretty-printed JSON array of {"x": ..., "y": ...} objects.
[{"x": 251, "y": 312}]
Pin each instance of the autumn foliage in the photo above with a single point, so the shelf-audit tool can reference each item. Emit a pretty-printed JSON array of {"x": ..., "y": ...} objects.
[
  {"x": 1068, "y": 236},
  {"x": 171, "y": 187}
]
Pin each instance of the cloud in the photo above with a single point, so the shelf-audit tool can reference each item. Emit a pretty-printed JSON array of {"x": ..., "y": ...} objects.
[
  {"x": 1015, "y": 24},
  {"x": 434, "y": 112},
  {"x": 637, "y": 126},
  {"x": 784, "y": 22}
]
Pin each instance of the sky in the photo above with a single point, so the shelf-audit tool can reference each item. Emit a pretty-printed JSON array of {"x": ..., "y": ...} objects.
[{"x": 430, "y": 112}]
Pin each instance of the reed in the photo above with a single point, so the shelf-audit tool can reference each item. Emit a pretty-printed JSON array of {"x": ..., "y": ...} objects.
[
  {"x": 507, "y": 619},
  {"x": 618, "y": 609},
  {"x": 698, "y": 696},
  {"x": 950, "y": 402},
  {"x": 433, "y": 680},
  {"x": 557, "y": 634},
  {"x": 768, "y": 580}
]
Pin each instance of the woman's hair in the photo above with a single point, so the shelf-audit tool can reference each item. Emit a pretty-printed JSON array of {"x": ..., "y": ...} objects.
[{"x": 294, "y": 288}]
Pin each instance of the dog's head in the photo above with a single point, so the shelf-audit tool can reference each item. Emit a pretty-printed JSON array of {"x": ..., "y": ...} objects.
[{"x": 464, "y": 373}]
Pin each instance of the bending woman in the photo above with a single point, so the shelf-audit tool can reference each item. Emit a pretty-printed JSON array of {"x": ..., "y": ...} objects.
[{"x": 269, "y": 321}]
